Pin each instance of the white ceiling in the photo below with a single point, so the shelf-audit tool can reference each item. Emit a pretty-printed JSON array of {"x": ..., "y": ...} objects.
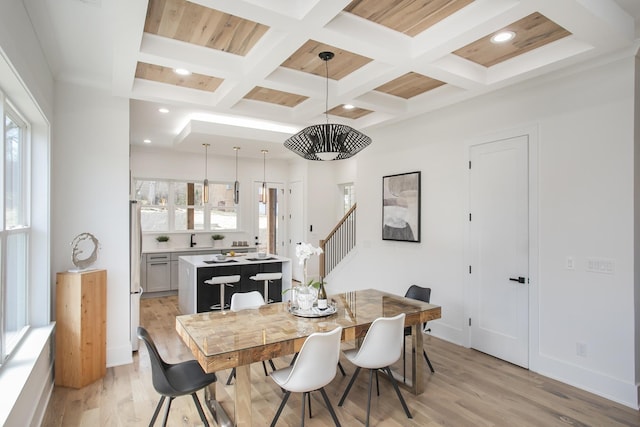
[{"x": 99, "y": 43}]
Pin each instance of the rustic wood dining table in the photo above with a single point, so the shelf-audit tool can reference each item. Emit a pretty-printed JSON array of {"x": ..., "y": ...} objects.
[{"x": 224, "y": 340}]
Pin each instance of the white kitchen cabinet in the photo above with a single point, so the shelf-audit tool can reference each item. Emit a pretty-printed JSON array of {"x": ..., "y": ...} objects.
[{"x": 158, "y": 272}]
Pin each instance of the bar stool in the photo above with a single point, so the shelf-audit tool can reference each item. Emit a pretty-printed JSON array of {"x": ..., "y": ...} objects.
[
  {"x": 266, "y": 277},
  {"x": 222, "y": 281}
]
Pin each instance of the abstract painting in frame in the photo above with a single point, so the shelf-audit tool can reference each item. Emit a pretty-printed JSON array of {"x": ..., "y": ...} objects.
[{"x": 401, "y": 207}]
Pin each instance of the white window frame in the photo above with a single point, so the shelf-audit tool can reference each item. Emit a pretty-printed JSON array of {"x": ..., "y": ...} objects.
[
  {"x": 343, "y": 196},
  {"x": 171, "y": 207},
  {"x": 7, "y": 347}
]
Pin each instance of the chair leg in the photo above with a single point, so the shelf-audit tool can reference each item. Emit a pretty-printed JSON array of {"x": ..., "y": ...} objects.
[
  {"x": 157, "y": 411},
  {"x": 433, "y": 371},
  {"x": 199, "y": 408},
  {"x": 284, "y": 401},
  {"x": 404, "y": 361},
  {"x": 293, "y": 359},
  {"x": 395, "y": 386},
  {"x": 341, "y": 369},
  {"x": 264, "y": 366},
  {"x": 377, "y": 384},
  {"x": 309, "y": 400},
  {"x": 353, "y": 379},
  {"x": 273, "y": 366},
  {"x": 166, "y": 412},
  {"x": 366, "y": 424},
  {"x": 231, "y": 376},
  {"x": 302, "y": 414},
  {"x": 329, "y": 407}
]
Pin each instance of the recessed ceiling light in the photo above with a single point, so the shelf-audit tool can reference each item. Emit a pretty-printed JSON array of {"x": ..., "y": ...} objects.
[
  {"x": 348, "y": 107},
  {"x": 182, "y": 71},
  {"x": 147, "y": 141},
  {"x": 163, "y": 110},
  {"x": 503, "y": 36}
]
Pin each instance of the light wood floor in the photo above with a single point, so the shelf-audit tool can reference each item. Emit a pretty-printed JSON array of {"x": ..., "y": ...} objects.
[{"x": 468, "y": 389}]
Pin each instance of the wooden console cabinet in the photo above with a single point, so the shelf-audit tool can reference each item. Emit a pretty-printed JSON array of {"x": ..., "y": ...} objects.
[{"x": 81, "y": 327}]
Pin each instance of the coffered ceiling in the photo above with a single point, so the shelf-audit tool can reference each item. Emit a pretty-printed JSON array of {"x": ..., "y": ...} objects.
[{"x": 256, "y": 78}]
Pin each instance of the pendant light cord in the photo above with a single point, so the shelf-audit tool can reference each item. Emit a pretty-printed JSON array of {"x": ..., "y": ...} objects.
[{"x": 326, "y": 97}]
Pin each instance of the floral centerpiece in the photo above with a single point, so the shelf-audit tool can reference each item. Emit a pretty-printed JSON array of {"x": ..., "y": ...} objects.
[
  {"x": 306, "y": 293},
  {"x": 303, "y": 253}
]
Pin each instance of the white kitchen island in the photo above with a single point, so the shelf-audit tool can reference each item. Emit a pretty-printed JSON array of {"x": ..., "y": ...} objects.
[{"x": 195, "y": 296}]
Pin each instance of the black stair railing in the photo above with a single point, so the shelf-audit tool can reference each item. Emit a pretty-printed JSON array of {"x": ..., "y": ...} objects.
[{"x": 338, "y": 242}]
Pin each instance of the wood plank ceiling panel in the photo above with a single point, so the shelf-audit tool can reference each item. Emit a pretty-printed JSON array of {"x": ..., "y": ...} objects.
[
  {"x": 351, "y": 113},
  {"x": 273, "y": 96},
  {"x": 532, "y": 32},
  {"x": 409, "y": 85},
  {"x": 343, "y": 63},
  {"x": 196, "y": 24},
  {"x": 162, "y": 74},
  {"x": 410, "y": 17}
]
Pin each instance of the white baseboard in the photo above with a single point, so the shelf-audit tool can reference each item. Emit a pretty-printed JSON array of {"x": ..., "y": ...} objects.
[{"x": 594, "y": 382}]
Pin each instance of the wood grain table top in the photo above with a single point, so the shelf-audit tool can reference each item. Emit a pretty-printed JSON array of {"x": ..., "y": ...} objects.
[{"x": 230, "y": 339}]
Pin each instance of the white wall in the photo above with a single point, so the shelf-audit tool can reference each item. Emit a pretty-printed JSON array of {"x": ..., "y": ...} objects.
[
  {"x": 584, "y": 124},
  {"x": 637, "y": 217},
  {"x": 90, "y": 193}
]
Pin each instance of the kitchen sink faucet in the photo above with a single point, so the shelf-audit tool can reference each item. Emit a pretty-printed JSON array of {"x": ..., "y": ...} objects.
[{"x": 192, "y": 243}]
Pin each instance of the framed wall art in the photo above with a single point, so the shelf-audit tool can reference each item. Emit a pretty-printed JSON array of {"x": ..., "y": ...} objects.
[{"x": 401, "y": 207}]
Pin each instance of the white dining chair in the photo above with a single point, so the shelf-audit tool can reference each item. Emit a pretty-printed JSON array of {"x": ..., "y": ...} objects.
[
  {"x": 381, "y": 347},
  {"x": 246, "y": 301},
  {"x": 314, "y": 368}
]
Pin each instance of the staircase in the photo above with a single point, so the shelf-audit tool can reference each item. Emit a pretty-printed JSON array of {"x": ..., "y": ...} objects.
[{"x": 338, "y": 243}]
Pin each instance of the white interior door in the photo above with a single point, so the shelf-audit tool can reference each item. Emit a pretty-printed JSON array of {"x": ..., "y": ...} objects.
[
  {"x": 499, "y": 249},
  {"x": 296, "y": 226}
]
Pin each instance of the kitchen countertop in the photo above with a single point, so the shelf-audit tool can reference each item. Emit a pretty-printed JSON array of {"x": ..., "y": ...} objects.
[
  {"x": 239, "y": 259},
  {"x": 200, "y": 248}
]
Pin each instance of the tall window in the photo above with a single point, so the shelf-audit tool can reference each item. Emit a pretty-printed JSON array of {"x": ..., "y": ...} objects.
[
  {"x": 177, "y": 206},
  {"x": 348, "y": 196},
  {"x": 15, "y": 230}
]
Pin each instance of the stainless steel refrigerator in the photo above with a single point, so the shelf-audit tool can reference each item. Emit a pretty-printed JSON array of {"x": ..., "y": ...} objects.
[{"x": 135, "y": 255}]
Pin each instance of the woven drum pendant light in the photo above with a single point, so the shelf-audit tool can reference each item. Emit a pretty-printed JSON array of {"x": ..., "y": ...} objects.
[{"x": 329, "y": 141}]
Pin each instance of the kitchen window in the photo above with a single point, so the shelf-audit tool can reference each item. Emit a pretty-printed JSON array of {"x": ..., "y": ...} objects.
[
  {"x": 168, "y": 205},
  {"x": 14, "y": 230}
]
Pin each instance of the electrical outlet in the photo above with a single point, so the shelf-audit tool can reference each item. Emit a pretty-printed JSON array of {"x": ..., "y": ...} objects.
[
  {"x": 581, "y": 349},
  {"x": 601, "y": 265}
]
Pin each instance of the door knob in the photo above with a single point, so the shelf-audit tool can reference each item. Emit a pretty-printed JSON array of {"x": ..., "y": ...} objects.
[{"x": 519, "y": 279}]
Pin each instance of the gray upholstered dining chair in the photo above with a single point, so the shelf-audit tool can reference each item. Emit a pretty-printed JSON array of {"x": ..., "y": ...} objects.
[
  {"x": 380, "y": 348},
  {"x": 314, "y": 368},
  {"x": 173, "y": 380},
  {"x": 421, "y": 294}
]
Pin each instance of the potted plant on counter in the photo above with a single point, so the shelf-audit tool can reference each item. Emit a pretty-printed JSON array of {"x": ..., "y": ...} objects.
[
  {"x": 162, "y": 241},
  {"x": 217, "y": 239}
]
